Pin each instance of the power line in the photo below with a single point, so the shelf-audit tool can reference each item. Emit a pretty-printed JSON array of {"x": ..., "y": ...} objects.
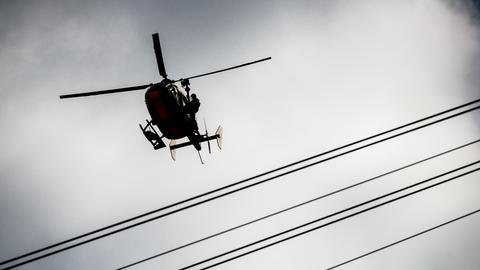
[
  {"x": 221, "y": 195},
  {"x": 403, "y": 240},
  {"x": 232, "y": 185},
  {"x": 332, "y": 222},
  {"x": 297, "y": 205},
  {"x": 331, "y": 215}
]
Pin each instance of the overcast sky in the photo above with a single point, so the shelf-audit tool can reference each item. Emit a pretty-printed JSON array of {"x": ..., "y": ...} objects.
[{"x": 340, "y": 71}]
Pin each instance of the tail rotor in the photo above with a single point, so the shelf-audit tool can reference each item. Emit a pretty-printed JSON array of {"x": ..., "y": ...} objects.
[{"x": 206, "y": 135}]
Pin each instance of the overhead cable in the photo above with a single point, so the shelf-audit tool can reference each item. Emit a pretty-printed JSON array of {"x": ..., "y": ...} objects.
[
  {"x": 297, "y": 205},
  {"x": 403, "y": 240},
  {"x": 232, "y": 185},
  {"x": 332, "y": 215}
]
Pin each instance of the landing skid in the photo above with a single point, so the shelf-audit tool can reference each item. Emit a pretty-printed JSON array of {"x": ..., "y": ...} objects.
[{"x": 152, "y": 136}]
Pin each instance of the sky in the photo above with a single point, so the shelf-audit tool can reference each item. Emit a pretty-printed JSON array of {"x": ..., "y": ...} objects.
[{"x": 340, "y": 71}]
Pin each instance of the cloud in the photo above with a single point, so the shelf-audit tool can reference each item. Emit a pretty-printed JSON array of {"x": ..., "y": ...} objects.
[{"x": 341, "y": 70}]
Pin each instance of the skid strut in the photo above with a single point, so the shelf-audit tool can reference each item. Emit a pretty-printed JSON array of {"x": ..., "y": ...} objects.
[{"x": 152, "y": 136}]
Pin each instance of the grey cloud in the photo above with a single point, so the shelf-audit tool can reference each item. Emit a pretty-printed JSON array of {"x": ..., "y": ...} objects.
[{"x": 341, "y": 70}]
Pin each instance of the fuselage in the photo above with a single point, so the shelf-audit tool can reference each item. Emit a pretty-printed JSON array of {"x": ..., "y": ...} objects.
[{"x": 165, "y": 103}]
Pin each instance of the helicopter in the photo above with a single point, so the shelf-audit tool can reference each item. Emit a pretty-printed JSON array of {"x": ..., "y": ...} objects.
[{"x": 170, "y": 109}]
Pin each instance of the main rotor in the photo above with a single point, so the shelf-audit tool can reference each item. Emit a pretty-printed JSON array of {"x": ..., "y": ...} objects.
[{"x": 162, "y": 71}]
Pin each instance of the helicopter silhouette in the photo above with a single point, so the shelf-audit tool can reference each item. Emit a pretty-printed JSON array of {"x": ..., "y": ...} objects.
[{"x": 170, "y": 109}]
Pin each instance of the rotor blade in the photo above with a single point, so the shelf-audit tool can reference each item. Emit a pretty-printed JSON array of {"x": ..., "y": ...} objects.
[
  {"x": 225, "y": 69},
  {"x": 103, "y": 92},
  {"x": 158, "y": 54}
]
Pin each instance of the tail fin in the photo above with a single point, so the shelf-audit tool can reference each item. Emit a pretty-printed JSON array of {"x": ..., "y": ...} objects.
[
  {"x": 219, "y": 134},
  {"x": 173, "y": 151}
]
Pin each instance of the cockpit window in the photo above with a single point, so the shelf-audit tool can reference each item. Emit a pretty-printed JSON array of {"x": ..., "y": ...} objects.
[{"x": 177, "y": 94}]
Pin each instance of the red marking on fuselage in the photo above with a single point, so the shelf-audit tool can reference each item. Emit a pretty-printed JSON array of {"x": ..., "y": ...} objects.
[{"x": 166, "y": 112}]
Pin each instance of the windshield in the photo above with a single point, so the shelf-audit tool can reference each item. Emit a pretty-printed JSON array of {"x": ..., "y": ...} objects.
[{"x": 177, "y": 94}]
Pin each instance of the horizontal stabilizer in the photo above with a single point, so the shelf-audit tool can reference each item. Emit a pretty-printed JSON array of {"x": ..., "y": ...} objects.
[{"x": 204, "y": 138}]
